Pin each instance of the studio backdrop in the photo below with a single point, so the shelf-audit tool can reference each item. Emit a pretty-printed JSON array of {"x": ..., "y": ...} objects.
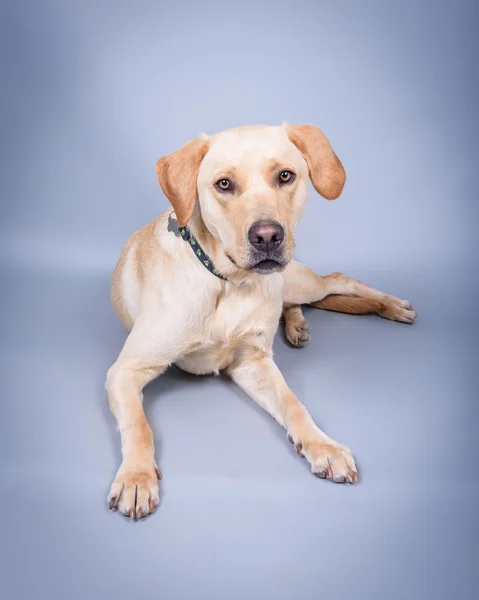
[{"x": 93, "y": 93}]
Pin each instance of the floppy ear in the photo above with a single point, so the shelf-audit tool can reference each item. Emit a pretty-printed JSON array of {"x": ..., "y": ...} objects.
[
  {"x": 178, "y": 174},
  {"x": 325, "y": 169}
]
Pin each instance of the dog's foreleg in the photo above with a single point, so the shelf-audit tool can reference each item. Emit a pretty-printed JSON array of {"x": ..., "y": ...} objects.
[
  {"x": 146, "y": 354},
  {"x": 261, "y": 379}
]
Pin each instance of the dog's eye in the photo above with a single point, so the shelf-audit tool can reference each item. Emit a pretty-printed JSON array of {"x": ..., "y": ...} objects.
[
  {"x": 224, "y": 185},
  {"x": 286, "y": 177}
]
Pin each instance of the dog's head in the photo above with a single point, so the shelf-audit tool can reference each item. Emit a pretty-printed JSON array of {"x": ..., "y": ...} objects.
[{"x": 250, "y": 185}]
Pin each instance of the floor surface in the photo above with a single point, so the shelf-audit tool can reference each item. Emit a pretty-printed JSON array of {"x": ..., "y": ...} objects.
[{"x": 240, "y": 516}]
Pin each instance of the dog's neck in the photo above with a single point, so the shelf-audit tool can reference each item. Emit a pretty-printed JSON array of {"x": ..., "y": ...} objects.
[{"x": 212, "y": 247}]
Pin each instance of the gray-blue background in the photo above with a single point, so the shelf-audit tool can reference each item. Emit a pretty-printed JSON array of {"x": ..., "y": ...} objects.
[{"x": 93, "y": 92}]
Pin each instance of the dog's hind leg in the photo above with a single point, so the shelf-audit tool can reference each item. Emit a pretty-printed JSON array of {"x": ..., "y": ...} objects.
[{"x": 335, "y": 292}]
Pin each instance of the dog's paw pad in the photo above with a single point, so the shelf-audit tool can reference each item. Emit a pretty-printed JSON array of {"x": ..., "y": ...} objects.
[{"x": 298, "y": 446}]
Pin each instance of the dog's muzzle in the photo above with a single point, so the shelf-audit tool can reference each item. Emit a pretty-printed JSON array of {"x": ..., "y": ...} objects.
[{"x": 267, "y": 251}]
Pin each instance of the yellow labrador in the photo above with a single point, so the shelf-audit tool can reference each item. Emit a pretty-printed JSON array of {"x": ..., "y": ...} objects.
[{"x": 204, "y": 286}]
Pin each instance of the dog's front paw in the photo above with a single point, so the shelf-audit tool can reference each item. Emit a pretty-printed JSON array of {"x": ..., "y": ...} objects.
[
  {"x": 397, "y": 310},
  {"x": 134, "y": 491},
  {"x": 328, "y": 460},
  {"x": 297, "y": 331},
  {"x": 332, "y": 461}
]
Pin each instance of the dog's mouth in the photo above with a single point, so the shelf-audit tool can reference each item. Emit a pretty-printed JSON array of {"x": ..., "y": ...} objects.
[
  {"x": 268, "y": 265},
  {"x": 264, "y": 265},
  {"x": 267, "y": 262}
]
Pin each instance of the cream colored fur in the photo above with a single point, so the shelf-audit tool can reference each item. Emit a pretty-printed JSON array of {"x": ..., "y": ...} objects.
[{"x": 178, "y": 312}]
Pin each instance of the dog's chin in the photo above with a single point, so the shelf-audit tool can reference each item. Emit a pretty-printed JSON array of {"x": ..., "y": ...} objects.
[
  {"x": 266, "y": 266},
  {"x": 263, "y": 266}
]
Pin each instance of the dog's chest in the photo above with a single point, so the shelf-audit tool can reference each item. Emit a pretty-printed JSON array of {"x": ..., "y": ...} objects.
[
  {"x": 235, "y": 316},
  {"x": 238, "y": 321}
]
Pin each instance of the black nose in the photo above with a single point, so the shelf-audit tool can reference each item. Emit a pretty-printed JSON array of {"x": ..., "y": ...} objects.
[{"x": 266, "y": 236}]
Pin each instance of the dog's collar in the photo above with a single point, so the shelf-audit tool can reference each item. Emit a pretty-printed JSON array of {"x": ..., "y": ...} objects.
[{"x": 199, "y": 252}]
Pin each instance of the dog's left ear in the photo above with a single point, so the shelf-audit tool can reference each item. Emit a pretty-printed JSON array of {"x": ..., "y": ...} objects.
[
  {"x": 178, "y": 173},
  {"x": 325, "y": 169}
]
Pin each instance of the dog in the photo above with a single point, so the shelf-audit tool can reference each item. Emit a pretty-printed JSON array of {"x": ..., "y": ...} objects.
[{"x": 204, "y": 286}]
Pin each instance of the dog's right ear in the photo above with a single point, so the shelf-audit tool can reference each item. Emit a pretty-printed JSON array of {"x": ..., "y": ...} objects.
[{"x": 178, "y": 174}]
